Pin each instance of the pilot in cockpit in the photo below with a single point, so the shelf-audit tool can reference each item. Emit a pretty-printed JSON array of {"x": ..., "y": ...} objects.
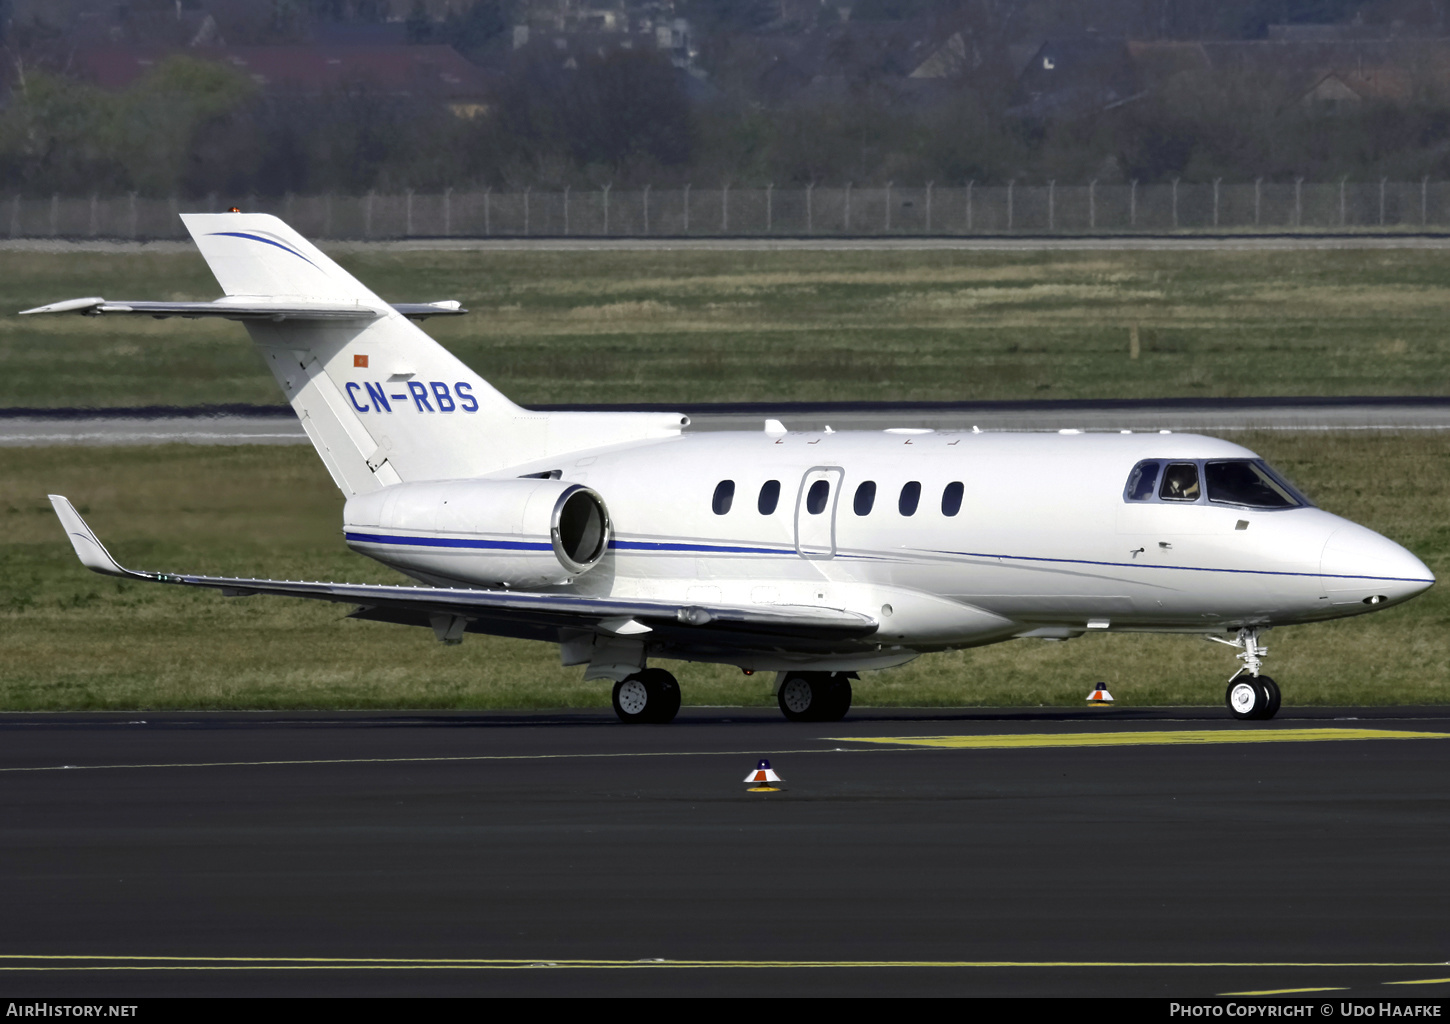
[{"x": 1180, "y": 482}]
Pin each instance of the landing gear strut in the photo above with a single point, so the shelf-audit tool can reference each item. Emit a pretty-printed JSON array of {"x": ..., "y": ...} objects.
[
  {"x": 650, "y": 696},
  {"x": 815, "y": 696},
  {"x": 1250, "y": 696}
]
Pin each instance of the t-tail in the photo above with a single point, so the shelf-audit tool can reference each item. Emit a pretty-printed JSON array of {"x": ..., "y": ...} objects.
[{"x": 381, "y": 401}]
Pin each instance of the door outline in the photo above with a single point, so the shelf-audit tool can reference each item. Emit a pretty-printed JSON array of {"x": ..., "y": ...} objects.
[{"x": 818, "y": 542}]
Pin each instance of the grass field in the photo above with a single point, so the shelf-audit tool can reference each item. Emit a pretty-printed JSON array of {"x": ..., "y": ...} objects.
[
  {"x": 620, "y": 327},
  {"x": 72, "y": 639}
]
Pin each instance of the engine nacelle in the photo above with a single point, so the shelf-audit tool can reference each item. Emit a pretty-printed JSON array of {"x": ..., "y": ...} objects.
[{"x": 518, "y": 533}]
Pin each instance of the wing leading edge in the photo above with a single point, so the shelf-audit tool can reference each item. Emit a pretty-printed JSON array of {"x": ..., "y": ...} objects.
[
  {"x": 266, "y": 309},
  {"x": 407, "y": 603}
]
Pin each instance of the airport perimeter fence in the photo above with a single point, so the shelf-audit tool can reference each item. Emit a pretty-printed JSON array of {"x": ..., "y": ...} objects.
[{"x": 880, "y": 211}]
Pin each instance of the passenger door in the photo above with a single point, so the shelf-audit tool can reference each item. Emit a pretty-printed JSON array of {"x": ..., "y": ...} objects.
[{"x": 815, "y": 512}]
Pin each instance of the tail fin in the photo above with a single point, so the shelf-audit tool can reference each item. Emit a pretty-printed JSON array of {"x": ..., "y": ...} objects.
[{"x": 381, "y": 401}]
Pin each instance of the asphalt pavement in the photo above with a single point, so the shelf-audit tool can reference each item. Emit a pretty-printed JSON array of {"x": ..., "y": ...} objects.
[{"x": 1150, "y": 852}]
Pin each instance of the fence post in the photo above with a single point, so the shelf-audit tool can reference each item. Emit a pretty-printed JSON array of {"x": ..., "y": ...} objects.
[
  {"x": 725, "y": 208},
  {"x": 1175, "y": 204},
  {"x": 646, "y": 209},
  {"x": 566, "y": 211},
  {"x": 529, "y": 188},
  {"x": 969, "y": 204},
  {"x": 810, "y": 215},
  {"x": 1010, "y": 185},
  {"x": 132, "y": 212},
  {"x": 888, "y": 208},
  {"x": 1298, "y": 202},
  {"x": 487, "y": 211},
  {"x": 368, "y": 216},
  {"x": 928, "y": 207},
  {"x": 1051, "y": 204},
  {"x": 1215, "y": 201},
  {"x": 54, "y": 213},
  {"x": 408, "y": 218},
  {"x": 1093, "y": 205},
  {"x": 769, "y": 210},
  {"x": 1382, "y": 202},
  {"x": 1258, "y": 187},
  {"x": 848, "y": 207},
  {"x": 687, "y": 207},
  {"x": 1424, "y": 200},
  {"x": 447, "y": 211},
  {"x": 1133, "y": 204}
]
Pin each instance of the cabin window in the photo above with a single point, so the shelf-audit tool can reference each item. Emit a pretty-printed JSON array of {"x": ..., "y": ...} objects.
[
  {"x": 1142, "y": 481},
  {"x": 1242, "y": 482},
  {"x": 951, "y": 498},
  {"x": 865, "y": 498},
  {"x": 1180, "y": 482},
  {"x": 910, "y": 498},
  {"x": 769, "y": 497},
  {"x": 724, "y": 497},
  {"x": 816, "y": 497}
]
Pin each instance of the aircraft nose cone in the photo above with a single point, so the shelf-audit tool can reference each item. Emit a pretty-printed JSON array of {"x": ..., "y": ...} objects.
[{"x": 1360, "y": 566}]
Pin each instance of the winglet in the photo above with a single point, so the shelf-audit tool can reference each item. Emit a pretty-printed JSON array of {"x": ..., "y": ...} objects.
[{"x": 89, "y": 549}]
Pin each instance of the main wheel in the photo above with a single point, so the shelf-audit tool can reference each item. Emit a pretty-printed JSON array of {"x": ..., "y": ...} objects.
[
  {"x": 815, "y": 697},
  {"x": 1248, "y": 699},
  {"x": 650, "y": 696}
]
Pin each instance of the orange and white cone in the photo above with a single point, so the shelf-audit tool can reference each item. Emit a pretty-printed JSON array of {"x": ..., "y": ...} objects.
[
  {"x": 762, "y": 778},
  {"x": 1100, "y": 695}
]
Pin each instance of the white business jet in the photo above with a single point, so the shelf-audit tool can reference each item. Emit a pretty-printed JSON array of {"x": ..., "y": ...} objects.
[{"x": 813, "y": 555}]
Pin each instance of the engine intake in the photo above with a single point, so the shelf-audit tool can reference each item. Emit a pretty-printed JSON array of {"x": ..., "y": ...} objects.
[{"x": 516, "y": 533}]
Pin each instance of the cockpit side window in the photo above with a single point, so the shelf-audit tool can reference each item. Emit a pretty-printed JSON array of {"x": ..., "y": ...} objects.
[
  {"x": 1142, "y": 481},
  {"x": 1180, "y": 482},
  {"x": 1242, "y": 482}
]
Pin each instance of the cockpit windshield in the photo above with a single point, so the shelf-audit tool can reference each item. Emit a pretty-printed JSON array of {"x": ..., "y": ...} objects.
[
  {"x": 1242, "y": 482},
  {"x": 1245, "y": 482}
]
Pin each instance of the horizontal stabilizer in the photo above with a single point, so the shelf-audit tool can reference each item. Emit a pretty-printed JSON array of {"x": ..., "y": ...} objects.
[
  {"x": 250, "y": 309},
  {"x": 564, "y": 610}
]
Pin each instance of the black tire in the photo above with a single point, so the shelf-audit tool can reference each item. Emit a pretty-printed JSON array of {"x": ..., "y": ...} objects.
[
  {"x": 649, "y": 697},
  {"x": 1275, "y": 698},
  {"x": 814, "y": 697},
  {"x": 1247, "y": 699}
]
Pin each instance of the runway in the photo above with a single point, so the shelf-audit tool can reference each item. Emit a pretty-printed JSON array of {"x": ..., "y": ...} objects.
[
  {"x": 278, "y": 425},
  {"x": 1151, "y": 852}
]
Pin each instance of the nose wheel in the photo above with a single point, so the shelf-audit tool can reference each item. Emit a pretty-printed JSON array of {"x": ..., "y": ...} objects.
[{"x": 1253, "y": 698}]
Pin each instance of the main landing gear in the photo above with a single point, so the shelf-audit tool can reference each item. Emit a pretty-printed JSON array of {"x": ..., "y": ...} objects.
[
  {"x": 1250, "y": 696},
  {"x": 649, "y": 696},
  {"x": 815, "y": 696}
]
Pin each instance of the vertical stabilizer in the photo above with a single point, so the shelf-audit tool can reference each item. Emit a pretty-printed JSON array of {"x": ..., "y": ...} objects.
[{"x": 381, "y": 401}]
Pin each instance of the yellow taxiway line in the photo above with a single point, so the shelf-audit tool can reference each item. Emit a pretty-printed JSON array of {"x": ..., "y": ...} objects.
[{"x": 1157, "y": 737}]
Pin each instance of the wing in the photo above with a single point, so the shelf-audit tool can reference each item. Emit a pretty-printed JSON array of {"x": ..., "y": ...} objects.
[
  {"x": 514, "y": 613},
  {"x": 241, "y": 310}
]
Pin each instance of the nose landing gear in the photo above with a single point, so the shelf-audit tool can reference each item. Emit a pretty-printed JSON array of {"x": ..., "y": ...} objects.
[{"x": 1250, "y": 696}]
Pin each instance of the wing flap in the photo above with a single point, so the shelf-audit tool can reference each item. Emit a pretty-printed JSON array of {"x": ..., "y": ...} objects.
[{"x": 532, "y": 608}]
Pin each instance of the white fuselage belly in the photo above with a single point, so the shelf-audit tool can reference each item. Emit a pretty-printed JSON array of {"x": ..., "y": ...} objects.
[{"x": 1044, "y": 542}]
